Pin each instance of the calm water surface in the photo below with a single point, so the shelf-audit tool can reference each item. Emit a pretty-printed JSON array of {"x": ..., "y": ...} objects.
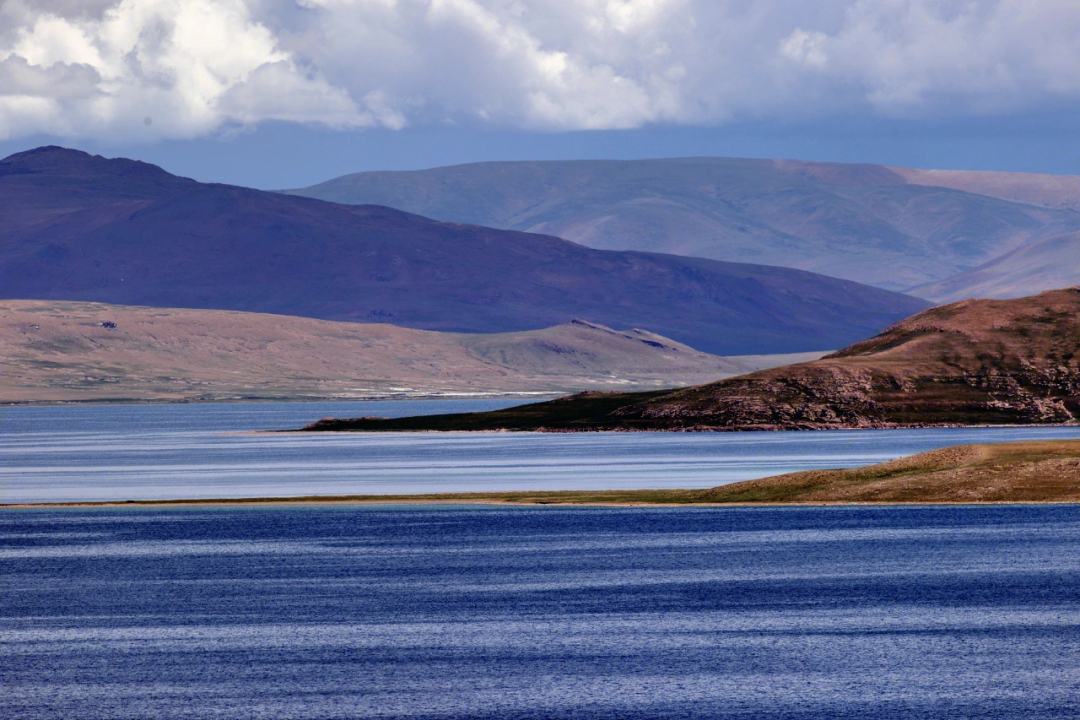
[
  {"x": 53, "y": 454},
  {"x": 456, "y": 612}
]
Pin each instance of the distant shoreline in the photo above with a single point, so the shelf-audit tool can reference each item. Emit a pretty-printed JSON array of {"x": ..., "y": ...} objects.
[
  {"x": 257, "y": 400},
  {"x": 678, "y": 430},
  {"x": 497, "y": 502}
]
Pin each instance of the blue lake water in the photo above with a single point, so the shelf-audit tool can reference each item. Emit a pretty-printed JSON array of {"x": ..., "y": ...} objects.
[
  {"x": 136, "y": 452},
  {"x": 455, "y": 612}
]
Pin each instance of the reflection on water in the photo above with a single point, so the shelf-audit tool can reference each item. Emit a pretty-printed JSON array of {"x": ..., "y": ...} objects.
[
  {"x": 54, "y": 454},
  {"x": 462, "y": 612}
]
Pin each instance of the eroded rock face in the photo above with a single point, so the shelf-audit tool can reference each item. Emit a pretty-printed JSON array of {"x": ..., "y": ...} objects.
[{"x": 973, "y": 362}]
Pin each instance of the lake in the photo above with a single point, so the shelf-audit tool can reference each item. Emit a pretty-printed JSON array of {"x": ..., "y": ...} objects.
[
  {"x": 507, "y": 613},
  {"x": 146, "y": 452}
]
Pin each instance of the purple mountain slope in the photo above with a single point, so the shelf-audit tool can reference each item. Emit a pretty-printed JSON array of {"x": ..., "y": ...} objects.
[{"x": 80, "y": 227}]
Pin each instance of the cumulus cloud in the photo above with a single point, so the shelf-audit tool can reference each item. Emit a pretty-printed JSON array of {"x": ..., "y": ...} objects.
[
  {"x": 915, "y": 56},
  {"x": 175, "y": 68},
  {"x": 102, "y": 67}
]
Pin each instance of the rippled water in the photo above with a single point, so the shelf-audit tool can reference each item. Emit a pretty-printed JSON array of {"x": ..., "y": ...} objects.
[
  {"x": 52, "y": 454},
  {"x": 479, "y": 612}
]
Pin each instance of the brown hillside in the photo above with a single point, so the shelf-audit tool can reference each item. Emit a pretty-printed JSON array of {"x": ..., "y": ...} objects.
[{"x": 972, "y": 362}]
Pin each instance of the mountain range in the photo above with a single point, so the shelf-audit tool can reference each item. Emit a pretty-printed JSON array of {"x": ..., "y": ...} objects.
[
  {"x": 975, "y": 362},
  {"x": 83, "y": 228},
  {"x": 941, "y": 235}
]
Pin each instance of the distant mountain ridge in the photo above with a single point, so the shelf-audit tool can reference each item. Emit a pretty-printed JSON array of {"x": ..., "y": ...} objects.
[
  {"x": 897, "y": 228},
  {"x": 79, "y": 227}
]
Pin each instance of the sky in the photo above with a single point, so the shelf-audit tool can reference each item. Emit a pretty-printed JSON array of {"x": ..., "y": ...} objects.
[{"x": 285, "y": 93}]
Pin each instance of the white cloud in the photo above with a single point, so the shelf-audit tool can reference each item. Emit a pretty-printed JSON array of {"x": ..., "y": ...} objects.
[
  {"x": 920, "y": 57},
  {"x": 99, "y": 68},
  {"x": 190, "y": 66}
]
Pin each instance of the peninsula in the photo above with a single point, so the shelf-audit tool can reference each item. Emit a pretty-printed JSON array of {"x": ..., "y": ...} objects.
[{"x": 975, "y": 362}]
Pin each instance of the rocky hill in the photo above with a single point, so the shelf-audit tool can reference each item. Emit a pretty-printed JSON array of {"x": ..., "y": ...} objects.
[
  {"x": 53, "y": 351},
  {"x": 80, "y": 227},
  {"x": 896, "y": 228},
  {"x": 972, "y": 362}
]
